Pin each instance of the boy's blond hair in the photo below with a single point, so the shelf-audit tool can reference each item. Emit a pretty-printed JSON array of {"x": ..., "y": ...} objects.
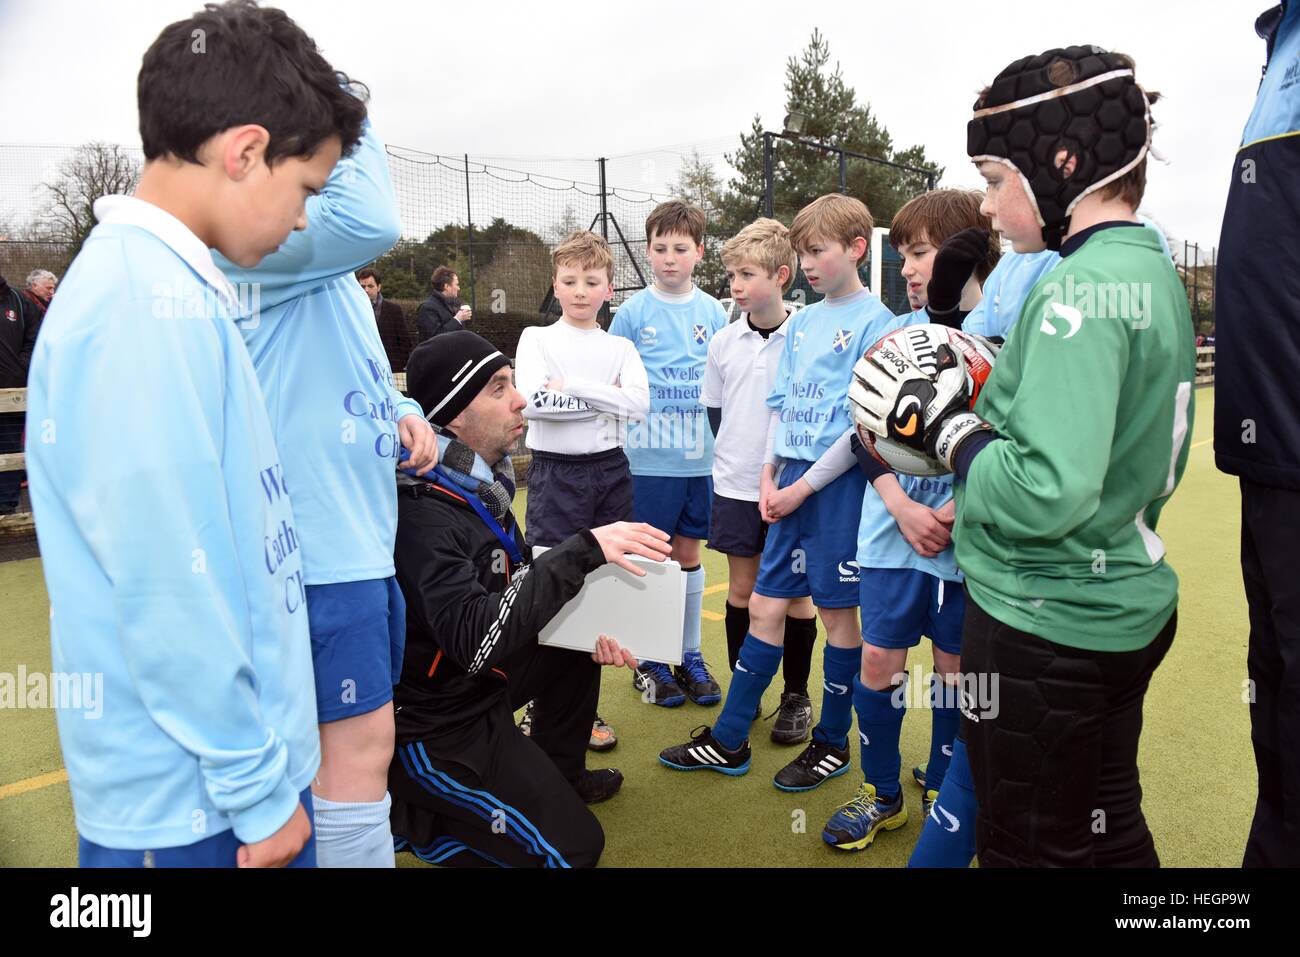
[
  {"x": 675, "y": 216},
  {"x": 583, "y": 249},
  {"x": 764, "y": 243},
  {"x": 833, "y": 218},
  {"x": 940, "y": 213}
]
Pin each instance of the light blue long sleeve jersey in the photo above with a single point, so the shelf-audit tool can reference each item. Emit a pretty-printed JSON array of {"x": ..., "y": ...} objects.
[
  {"x": 328, "y": 386},
  {"x": 822, "y": 343},
  {"x": 672, "y": 335},
  {"x": 168, "y": 546}
]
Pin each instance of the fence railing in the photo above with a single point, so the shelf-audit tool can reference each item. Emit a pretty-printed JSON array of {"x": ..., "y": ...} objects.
[{"x": 1204, "y": 364}]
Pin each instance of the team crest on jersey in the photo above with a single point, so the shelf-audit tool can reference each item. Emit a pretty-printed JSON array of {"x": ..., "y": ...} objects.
[
  {"x": 701, "y": 334},
  {"x": 11, "y": 315},
  {"x": 842, "y": 339},
  {"x": 648, "y": 336}
]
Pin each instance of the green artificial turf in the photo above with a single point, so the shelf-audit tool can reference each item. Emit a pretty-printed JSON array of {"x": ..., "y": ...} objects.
[{"x": 1195, "y": 758}]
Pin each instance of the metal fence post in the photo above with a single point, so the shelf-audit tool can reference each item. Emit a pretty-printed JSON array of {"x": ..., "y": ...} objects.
[
  {"x": 769, "y": 194},
  {"x": 1196, "y": 287},
  {"x": 469, "y": 235},
  {"x": 604, "y": 206},
  {"x": 1214, "y": 279}
]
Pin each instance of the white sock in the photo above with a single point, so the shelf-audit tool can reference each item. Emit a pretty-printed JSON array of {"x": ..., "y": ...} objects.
[{"x": 353, "y": 834}]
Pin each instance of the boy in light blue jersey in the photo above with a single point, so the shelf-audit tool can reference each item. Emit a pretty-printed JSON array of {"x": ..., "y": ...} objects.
[
  {"x": 910, "y": 585},
  {"x": 814, "y": 507},
  {"x": 340, "y": 425},
  {"x": 174, "y": 565},
  {"x": 671, "y": 451}
]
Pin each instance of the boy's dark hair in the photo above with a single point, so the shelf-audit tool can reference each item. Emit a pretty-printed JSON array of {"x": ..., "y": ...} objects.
[
  {"x": 369, "y": 273},
  {"x": 675, "y": 216},
  {"x": 939, "y": 214},
  {"x": 441, "y": 276},
  {"x": 236, "y": 63}
]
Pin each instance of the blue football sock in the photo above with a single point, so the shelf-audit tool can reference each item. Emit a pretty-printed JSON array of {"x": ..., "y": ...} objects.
[
  {"x": 948, "y": 835},
  {"x": 353, "y": 834},
  {"x": 880, "y": 721},
  {"x": 840, "y": 667},
  {"x": 694, "y": 603},
  {"x": 945, "y": 717},
  {"x": 757, "y": 664}
]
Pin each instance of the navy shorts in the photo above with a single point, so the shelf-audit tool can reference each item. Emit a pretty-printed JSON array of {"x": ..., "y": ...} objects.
[
  {"x": 899, "y": 605},
  {"x": 813, "y": 550},
  {"x": 219, "y": 850},
  {"x": 678, "y": 506},
  {"x": 736, "y": 527},
  {"x": 567, "y": 493},
  {"x": 358, "y": 634}
]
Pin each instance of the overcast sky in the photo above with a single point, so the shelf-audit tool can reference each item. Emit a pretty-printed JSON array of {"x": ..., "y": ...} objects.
[{"x": 514, "y": 79}]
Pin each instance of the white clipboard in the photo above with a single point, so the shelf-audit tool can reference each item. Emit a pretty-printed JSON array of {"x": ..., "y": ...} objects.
[{"x": 643, "y": 614}]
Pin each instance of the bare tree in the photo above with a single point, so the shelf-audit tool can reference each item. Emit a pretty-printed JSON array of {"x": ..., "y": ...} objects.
[
  {"x": 94, "y": 170},
  {"x": 567, "y": 224}
]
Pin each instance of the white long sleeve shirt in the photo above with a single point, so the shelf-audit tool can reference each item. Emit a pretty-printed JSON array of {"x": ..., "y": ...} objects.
[{"x": 604, "y": 387}]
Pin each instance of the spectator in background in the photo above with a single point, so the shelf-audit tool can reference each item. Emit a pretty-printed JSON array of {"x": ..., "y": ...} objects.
[
  {"x": 40, "y": 290},
  {"x": 442, "y": 311},
  {"x": 19, "y": 320},
  {"x": 395, "y": 330}
]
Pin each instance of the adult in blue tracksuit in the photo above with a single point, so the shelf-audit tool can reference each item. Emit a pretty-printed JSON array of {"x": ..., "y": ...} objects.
[
  {"x": 1257, "y": 423},
  {"x": 340, "y": 424}
]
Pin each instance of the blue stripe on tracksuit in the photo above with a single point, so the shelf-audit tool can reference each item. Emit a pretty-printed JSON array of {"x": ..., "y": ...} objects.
[{"x": 418, "y": 766}]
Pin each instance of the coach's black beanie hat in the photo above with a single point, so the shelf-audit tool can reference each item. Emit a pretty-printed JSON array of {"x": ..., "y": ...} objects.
[{"x": 445, "y": 373}]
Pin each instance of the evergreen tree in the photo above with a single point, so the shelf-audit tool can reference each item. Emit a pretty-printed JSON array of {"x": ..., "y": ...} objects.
[{"x": 801, "y": 173}]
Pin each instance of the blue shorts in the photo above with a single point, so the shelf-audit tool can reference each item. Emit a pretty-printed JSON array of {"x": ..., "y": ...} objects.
[
  {"x": 567, "y": 493},
  {"x": 899, "y": 605},
  {"x": 219, "y": 850},
  {"x": 736, "y": 527},
  {"x": 358, "y": 634},
  {"x": 678, "y": 506},
  {"x": 813, "y": 550}
]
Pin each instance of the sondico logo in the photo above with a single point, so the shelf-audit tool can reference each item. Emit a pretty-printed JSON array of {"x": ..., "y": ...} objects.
[
  {"x": 905, "y": 415},
  {"x": 849, "y": 571},
  {"x": 1071, "y": 315},
  {"x": 936, "y": 810},
  {"x": 649, "y": 336}
]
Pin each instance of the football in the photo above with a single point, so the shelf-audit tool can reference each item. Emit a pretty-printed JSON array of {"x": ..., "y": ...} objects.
[{"x": 920, "y": 343}]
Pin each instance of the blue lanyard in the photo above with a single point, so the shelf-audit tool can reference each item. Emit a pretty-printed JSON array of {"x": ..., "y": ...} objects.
[{"x": 508, "y": 540}]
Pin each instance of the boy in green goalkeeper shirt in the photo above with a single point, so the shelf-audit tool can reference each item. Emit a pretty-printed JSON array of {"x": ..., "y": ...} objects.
[{"x": 1077, "y": 440}]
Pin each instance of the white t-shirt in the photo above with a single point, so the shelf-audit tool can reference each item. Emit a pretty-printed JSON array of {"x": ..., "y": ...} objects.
[
  {"x": 738, "y": 376},
  {"x": 604, "y": 387}
]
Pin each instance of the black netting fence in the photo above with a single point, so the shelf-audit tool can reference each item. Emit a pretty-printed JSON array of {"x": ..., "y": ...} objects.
[{"x": 495, "y": 220}]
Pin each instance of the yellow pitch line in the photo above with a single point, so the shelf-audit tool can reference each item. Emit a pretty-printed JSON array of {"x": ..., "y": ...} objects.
[
  {"x": 58, "y": 777},
  {"x": 33, "y": 784}
]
